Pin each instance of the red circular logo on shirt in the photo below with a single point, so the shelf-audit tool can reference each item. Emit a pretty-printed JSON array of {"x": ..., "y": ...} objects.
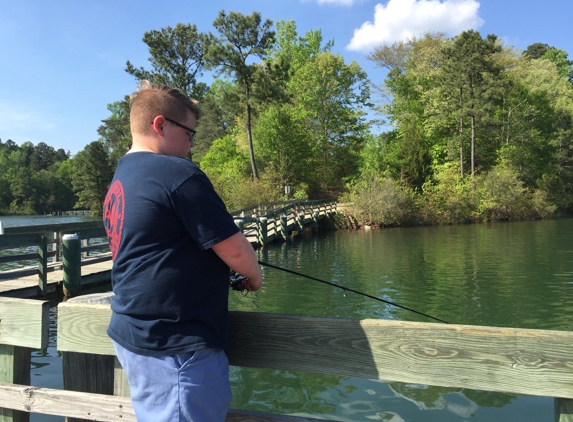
[{"x": 113, "y": 211}]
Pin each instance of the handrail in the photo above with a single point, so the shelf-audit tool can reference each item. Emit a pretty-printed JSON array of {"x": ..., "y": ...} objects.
[{"x": 510, "y": 360}]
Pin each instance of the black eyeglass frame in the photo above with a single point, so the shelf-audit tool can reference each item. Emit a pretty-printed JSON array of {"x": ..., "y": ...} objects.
[{"x": 193, "y": 131}]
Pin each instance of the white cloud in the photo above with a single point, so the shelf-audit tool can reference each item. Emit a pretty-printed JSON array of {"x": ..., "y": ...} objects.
[{"x": 402, "y": 19}]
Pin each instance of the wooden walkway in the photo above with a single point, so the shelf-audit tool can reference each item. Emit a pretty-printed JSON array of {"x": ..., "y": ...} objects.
[
  {"x": 27, "y": 286},
  {"x": 261, "y": 225}
]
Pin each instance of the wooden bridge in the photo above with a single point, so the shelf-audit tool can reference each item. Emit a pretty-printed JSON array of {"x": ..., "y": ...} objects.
[{"x": 261, "y": 224}]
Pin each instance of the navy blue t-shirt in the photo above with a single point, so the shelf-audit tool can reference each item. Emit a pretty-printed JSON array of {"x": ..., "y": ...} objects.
[{"x": 171, "y": 290}]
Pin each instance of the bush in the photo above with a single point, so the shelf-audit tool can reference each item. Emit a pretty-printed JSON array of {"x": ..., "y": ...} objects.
[
  {"x": 381, "y": 201},
  {"x": 502, "y": 196},
  {"x": 448, "y": 198}
]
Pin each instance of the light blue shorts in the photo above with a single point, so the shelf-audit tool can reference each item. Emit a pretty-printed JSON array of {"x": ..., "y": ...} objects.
[{"x": 180, "y": 388}]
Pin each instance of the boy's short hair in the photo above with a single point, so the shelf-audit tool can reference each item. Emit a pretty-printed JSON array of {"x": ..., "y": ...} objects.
[{"x": 151, "y": 100}]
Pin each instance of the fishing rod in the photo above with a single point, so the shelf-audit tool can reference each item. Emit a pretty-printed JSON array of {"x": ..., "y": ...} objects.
[{"x": 350, "y": 290}]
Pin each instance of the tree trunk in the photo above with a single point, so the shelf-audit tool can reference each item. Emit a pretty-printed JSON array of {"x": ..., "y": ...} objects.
[
  {"x": 473, "y": 144},
  {"x": 250, "y": 137},
  {"x": 461, "y": 146}
]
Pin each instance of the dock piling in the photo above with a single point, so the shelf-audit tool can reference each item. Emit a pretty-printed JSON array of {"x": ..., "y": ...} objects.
[{"x": 71, "y": 249}]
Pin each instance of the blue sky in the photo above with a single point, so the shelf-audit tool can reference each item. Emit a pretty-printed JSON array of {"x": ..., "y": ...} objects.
[{"x": 63, "y": 61}]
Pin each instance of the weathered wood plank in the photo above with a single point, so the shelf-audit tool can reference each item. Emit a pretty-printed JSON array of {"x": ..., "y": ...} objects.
[
  {"x": 535, "y": 362},
  {"x": 100, "y": 407},
  {"x": 95, "y": 407},
  {"x": 20, "y": 257},
  {"x": 24, "y": 322},
  {"x": 14, "y": 368},
  {"x": 82, "y": 328}
]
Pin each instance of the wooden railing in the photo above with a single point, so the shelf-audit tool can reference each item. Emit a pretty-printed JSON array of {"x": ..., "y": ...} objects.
[
  {"x": 46, "y": 240},
  {"x": 265, "y": 223},
  {"x": 511, "y": 360}
]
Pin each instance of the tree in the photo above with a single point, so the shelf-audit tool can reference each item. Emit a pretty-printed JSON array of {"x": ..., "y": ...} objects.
[
  {"x": 115, "y": 132},
  {"x": 329, "y": 97},
  {"x": 536, "y": 50},
  {"x": 92, "y": 176},
  {"x": 220, "y": 107},
  {"x": 241, "y": 37},
  {"x": 469, "y": 77},
  {"x": 559, "y": 58},
  {"x": 177, "y": 58},
  {"x": 412, "y": 107},
  {"x": 43, "y": 156},
  {"x": 283, "y": 146}
]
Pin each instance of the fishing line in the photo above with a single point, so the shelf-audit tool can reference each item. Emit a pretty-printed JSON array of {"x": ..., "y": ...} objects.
[{"x": 350, "y": 290}]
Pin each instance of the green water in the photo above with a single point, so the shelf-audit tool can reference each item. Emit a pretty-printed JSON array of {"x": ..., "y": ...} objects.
[
  {"x": 503, "y": 274},
  {"x": 510, "y": 275}
]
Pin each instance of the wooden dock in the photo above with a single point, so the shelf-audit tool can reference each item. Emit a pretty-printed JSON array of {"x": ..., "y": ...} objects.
[
  {"x": 261, "y": 224},
  {"x": 27, "y": 286}
]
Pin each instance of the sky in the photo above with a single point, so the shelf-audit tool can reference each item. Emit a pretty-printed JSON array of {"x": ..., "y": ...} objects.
[{"x": 63, "y": 61}]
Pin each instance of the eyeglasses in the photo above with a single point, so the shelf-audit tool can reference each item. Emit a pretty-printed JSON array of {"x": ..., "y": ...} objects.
[{"x": 191, "y": 133}]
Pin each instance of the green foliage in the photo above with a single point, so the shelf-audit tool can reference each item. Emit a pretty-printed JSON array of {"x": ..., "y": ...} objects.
[
  {"x": 220, "y": 106},
  {"x": 177, "y": 58},
  {"x": 115, "y": 132},
  {"x": 92, "y": 176},
  {"x": 227, "y": 167},
  {"x": 241, "y": 37},
  {"x": 28, "y": 179},
  {"x": 502, "y": 195},
  {"x": 381, "y": 201},
  {"x": 283, "y": 145},
  {"x": 536, "y": 50},
  {"x": 559, "y": 58},
  {"x": 449, "y": 198}
]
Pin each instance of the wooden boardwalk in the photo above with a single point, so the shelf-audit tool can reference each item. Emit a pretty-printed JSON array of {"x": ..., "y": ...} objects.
[
  {"x": 261, "y": 225},
  {"x": 27, "y": 286}
]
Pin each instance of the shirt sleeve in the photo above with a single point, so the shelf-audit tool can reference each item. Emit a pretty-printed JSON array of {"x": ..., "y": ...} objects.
[{"x": 202, "y": 211}]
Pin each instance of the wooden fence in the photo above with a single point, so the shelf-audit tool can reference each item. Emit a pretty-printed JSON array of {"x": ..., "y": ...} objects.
[{"x": 511, "y": 360}]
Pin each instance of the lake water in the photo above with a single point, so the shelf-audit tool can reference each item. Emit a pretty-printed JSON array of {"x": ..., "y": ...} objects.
[{"x": 503, "y": 274}]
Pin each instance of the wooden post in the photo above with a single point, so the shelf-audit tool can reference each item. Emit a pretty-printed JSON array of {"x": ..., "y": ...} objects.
[
  {"x": 563, "y": 410},
  {"x": 314, "y": 224},
  {"x": 86, "y": 243},
  {"x": 284, "y": 228},
  {"x": 262, "y": 230},
  {"x": 56, "y": 247},
  {"x": 72, "y": 264},
  {"x": 43, "y": 264},
  {"x": 300, "y": 222},
  {"x": 240, "y": 224},
  {"x": 86, "y": 372},
  {"x": 23, "y": 326},
  {"x": 14, "y": 369}
]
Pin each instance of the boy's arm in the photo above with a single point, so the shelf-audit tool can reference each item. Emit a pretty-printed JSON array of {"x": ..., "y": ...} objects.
[{"x": 239, "y": 255}]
